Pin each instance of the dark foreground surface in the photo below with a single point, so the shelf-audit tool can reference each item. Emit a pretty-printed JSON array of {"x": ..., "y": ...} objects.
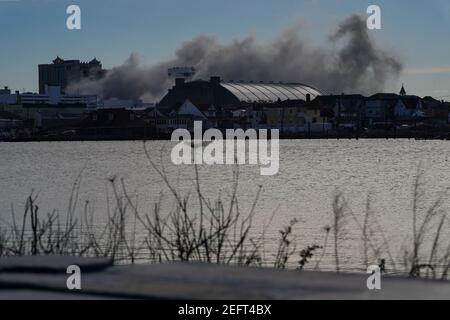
[{"x": 45, "y": 278}]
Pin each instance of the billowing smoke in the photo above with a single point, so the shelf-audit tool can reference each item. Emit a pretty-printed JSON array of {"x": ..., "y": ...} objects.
[{"x": 357, "y": 65}]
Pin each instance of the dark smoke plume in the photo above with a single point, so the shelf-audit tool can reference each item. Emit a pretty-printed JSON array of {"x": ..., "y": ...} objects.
[{"x": 358, "y": 65}]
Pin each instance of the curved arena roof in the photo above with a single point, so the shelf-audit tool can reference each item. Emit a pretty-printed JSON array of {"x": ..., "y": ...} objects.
[{"x": 270, "y": 92}]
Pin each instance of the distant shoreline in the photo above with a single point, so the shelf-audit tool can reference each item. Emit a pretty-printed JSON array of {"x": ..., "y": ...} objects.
[{"x": 443, "y": 137}]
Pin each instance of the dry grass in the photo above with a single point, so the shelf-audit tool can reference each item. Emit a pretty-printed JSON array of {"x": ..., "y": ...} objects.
[
  {"x": 217, "y": 231},
  {"x": 426, "y": 252}
]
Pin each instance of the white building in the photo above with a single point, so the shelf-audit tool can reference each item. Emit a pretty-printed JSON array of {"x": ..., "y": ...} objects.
[
  {"x": 408, "y": 107},
  {"x": 53, "y": 96}
]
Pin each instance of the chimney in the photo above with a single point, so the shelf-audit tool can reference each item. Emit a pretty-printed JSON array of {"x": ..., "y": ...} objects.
[{"x": 179, "y": 82}]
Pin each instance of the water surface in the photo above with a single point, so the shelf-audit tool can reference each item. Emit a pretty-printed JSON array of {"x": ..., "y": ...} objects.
[{"x": 311, "y": 173}]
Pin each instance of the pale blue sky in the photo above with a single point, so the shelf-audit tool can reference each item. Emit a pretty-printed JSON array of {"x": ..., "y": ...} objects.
[{"x": 34, "y": 31}]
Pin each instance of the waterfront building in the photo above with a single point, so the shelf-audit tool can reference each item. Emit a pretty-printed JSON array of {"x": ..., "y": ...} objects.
[
  {"x": 116, "y": 123},
  {"x": 53, "y": 95},
  {"x": 235, "y": 94},
  {"x": 165, "y": 121},
  {"x": 348, "y": 111},
  {"x": 379, "y": 108},
  {"x": 10, "y": 125}
]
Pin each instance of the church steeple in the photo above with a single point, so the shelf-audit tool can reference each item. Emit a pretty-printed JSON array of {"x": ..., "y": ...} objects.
[{"x": 403, "y": 91}]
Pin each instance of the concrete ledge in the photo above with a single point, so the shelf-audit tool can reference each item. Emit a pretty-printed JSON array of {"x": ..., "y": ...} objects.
[
  {"x": 207, "y": 281},
  {"x": 51, "y": 264}
]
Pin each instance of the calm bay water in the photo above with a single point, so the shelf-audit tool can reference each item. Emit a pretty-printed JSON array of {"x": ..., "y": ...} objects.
[{"x": 311, "y": 172}]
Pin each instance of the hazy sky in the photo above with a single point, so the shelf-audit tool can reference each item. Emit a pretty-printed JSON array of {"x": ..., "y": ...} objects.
[{"x": 34, "y": 31}]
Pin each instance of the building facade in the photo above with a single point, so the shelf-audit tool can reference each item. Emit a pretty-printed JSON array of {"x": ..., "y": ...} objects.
[
  {"x": 183, "y": 117},
  {"x": 53, "y": 95},
  {"x": 295, "y": 117},
  {"x": 235, "y": 95},
  {"x": 63, "y": 72},
  {"x": 8, "y": 98}
]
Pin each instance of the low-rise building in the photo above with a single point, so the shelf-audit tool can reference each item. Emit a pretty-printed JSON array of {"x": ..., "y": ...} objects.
[
  {"x": 436, "y": 112},
  {"x": 408, "y": 109},
  {"x": 295, "y": 117},
  {"x": 114, "y": 124},
  {"x": 379, "y": 108},
  {"x": 54, "y": 96},
  {"x": 8, "y": 98},
  {"x": 121, "y": 103},
  {"x": 165, "y": 120},
  {"x": 46, "y": 116},
  {"x": 10, "y": 125},
  {"x": 348, "y": 111}
]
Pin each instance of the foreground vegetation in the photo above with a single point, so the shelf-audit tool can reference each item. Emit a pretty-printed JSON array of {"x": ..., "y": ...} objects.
[{"x": 217, "y": 231}]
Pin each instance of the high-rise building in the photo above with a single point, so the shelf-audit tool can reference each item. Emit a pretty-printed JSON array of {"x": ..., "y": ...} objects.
[{"x": 63, "y": 72}]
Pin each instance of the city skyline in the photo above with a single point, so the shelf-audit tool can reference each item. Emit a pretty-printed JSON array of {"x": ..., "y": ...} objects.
[{"x": 168, "y": 24}]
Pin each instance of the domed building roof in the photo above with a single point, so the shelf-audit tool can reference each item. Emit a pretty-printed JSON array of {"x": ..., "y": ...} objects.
[
  {"x": 235, "y": 94},
  {"x": 270, "y": 92}
]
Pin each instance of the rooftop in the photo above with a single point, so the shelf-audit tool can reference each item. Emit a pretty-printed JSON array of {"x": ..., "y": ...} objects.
[{"x": 270, "y": 92}]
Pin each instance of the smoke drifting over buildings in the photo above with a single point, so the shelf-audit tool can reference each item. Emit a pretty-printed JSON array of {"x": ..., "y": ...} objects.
[{"x": 358, "y": 65}]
